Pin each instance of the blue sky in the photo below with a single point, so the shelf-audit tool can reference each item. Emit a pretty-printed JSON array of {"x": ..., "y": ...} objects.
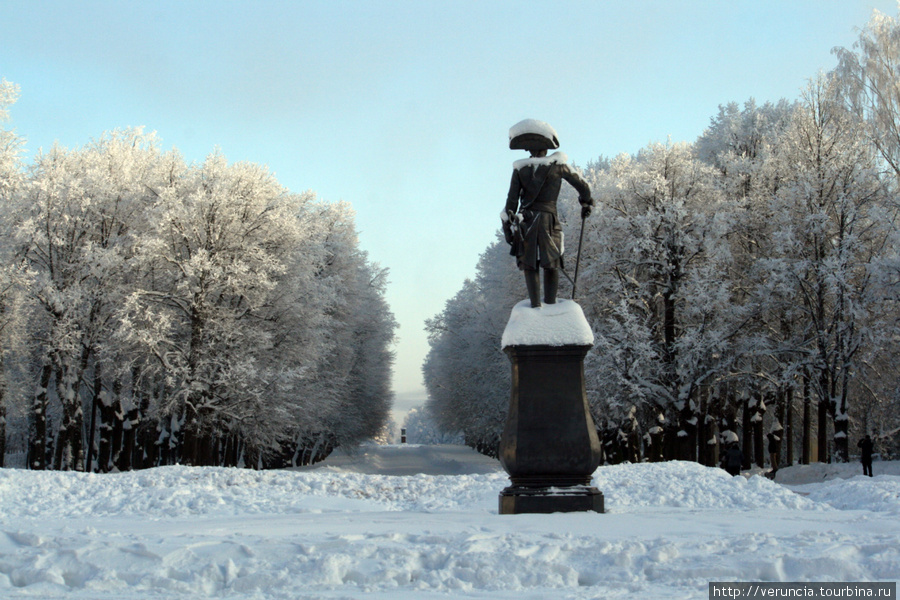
[{"x": 402, "y": 107}]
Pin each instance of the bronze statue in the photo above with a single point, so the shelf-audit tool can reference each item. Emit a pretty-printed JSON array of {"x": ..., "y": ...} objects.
[{"x": 530, "y": 222}]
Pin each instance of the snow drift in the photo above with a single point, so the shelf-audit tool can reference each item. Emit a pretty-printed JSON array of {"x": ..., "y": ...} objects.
[{"x": 329, "y": 533}]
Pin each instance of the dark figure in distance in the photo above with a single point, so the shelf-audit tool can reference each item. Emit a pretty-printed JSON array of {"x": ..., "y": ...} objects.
[
  {"x": 774, "y": 450},
  {"x": 733, "y": 459},
  {"x": 530, "y": 222},
  {"x": 866, "y": 446}
]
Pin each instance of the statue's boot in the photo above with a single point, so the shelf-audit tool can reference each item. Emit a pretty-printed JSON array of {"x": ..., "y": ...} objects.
[
  {"x": 551, "y": 285},
  {"x": 533, "y": 283}
]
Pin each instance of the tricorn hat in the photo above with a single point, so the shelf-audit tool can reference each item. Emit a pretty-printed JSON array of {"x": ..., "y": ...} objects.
[{"x": 532, "y": 134}]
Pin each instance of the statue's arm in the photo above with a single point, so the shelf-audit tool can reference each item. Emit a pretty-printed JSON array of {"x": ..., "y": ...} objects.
[
  {"x": 583, "y": 189},
  {"x": 512, "y": 205},
  {"x": 580, "y": 185},
  {"x": 515, "y": 189}
]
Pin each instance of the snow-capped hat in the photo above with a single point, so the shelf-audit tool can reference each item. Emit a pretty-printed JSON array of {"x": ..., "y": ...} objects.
[{"x": 532, "y": 134}]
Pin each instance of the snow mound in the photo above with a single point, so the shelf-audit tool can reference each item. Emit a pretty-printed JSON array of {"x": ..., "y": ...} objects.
[
  {"x": 690, "y": 485},
  {"x": 557, "y": 324},
  {"x": 878, "y": 494},
  {"x": 819, "y": 472},
  {"x": 183, "y": 532},
  {"x": 179, "y": 491}
]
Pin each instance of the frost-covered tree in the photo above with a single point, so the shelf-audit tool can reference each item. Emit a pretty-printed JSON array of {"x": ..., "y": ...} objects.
[
  {"x": 198, "y": 313},
  {"x": 83, "y": 206},
  {"x": 867, "y": 80},
  {"x": 11, "y": 178},
  {"x": 364, "y": 408},
  {"x": 265, "y": 325},
  {"x": 11, "y": 145},
  {"x": 355, "y": 372},
  {"x": 737, "y": 140},
  {"x": 421, "y": 429},
  {"x": 739, "y": 143},
  {"x": 834, "y": 225},
  {"x": 466, "y": 373},
  {"x": 867, "y": 77},
  {"x": 652, "y": 288},
  {"x": 222, "y": 238}
]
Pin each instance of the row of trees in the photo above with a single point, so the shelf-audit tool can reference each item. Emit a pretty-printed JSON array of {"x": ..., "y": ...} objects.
[
  {"x": 747, "y": 282},
  {"x": 155, "y": 311}
]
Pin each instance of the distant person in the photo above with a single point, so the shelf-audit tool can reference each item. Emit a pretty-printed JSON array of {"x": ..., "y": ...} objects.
[
  {"x": 866, "y": 446},
  {"x": 733, "y": 459},
  {"x": 774, "y": 450}
]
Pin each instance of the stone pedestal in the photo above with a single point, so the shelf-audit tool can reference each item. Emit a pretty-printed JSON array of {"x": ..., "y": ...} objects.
[{"x": 549, "y": 447}]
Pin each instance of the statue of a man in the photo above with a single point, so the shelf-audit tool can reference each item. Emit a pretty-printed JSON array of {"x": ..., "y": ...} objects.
[{"x": 530, "y": 222}]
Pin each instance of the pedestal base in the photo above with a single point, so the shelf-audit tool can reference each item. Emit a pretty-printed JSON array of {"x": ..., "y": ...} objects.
[
  {"x": 549, "y": 445},
  {"x": 516, "y": 500}
]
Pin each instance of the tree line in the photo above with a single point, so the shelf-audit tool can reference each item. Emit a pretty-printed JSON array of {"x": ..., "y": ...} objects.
[
  {"x": 742, "y": 284},
  {"x": 156, "y": 312}
]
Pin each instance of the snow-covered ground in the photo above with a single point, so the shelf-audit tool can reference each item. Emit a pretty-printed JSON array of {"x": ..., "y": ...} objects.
[{"x": 366, "y": 526}]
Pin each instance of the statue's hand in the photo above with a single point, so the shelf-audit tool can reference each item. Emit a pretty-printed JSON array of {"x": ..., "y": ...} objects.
[
  {"x": 508, "y": 232},
  {"x": 585, "y": 211}
]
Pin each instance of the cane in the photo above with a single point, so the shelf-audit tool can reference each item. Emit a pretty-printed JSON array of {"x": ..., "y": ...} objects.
[{"x": 578, "y": 260}]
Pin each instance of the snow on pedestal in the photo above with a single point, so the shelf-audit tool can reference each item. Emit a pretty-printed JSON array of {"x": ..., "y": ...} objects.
[{"x": 560, "y": 324}]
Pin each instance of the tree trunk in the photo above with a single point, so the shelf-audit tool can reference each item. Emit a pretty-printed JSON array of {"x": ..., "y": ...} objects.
[
  {"x": 671, "y": 442},
  {"x": 151, "y": 448},
  {"x": 51, "y": 444},
  {"x": 160, "y": 446},
  {"x": 37, "y": 443},
  {"x": 200, "y": 445},
  {"x": 3, "y": 388},
  {"x": 703, "y": 426},
  {"x": 70, "y": 442},
  {"x": 118, "y": 431},
  {"x": 174, "y": 442},
  {"x": 148, "y": 433},
  {"x": 759, "y": 450},
  {"x": 710, "y": 441},
  {"x": 656, "y": 447},
  {"x": 230, "y": 458},
  {"x": 807, "y": 422},
  {"x": 95, "y": 405},
  {"x": 789, "y": 425},
  {"x": 687, "y": 434},
  {"x": 2, "y": 421},
  {"x": 822, "y": 437},
  {"x": 141, "y": 426},
  {"x": 193, "y": 422},
  {"x": 107, "y": 418},
  {"x": 190, "y": 449},
  {"x": 746, "y": 433},
  {"x": 129, "y": 433},
  {"x": 116, "y": 415},
  {"x": 842, "y": 423}
]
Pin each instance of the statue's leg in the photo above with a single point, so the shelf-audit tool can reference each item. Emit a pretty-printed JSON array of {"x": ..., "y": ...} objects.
[
  {"x": 551, "y": 285},
  {"x": 533, "y": 283}
]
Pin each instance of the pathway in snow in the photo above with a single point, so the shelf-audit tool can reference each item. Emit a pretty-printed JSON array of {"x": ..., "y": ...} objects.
[{"x": 409, "y": 459}]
